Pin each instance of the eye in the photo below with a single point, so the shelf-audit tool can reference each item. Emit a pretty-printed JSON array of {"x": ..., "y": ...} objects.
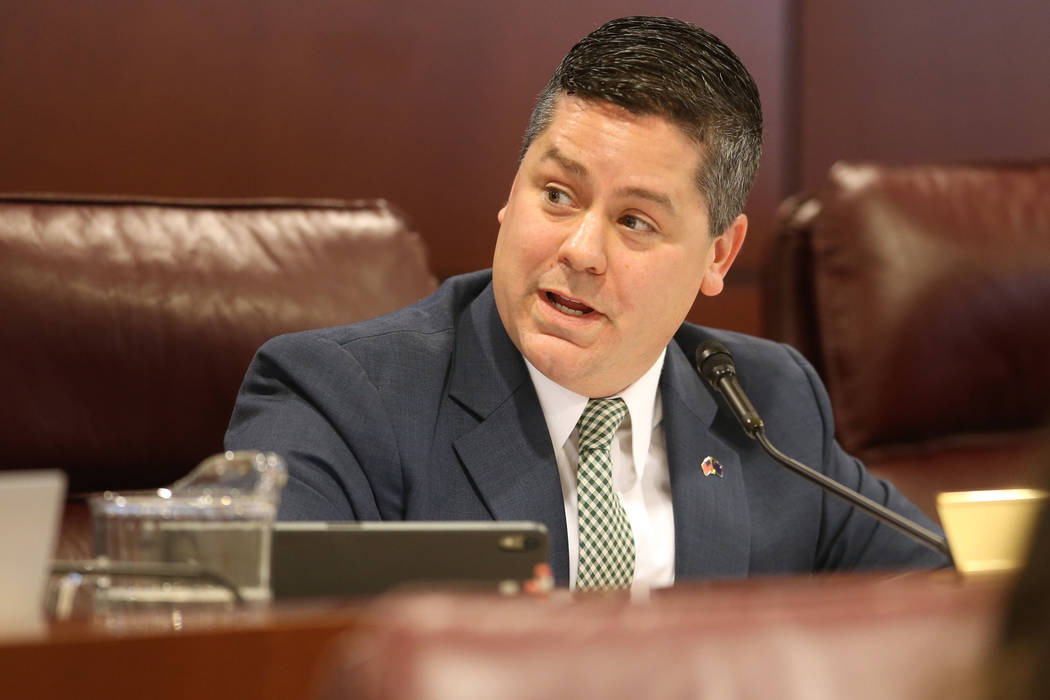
[
  {"x": 636, "y": 223},
  {"x": 556, "y": 196}
]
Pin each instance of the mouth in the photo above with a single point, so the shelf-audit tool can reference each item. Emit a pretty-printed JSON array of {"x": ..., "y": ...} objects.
[{"x": 570, "y": 307}]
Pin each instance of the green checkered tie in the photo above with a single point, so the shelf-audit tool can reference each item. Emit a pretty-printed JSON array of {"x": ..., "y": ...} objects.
[{"x": 606, "y": 538}]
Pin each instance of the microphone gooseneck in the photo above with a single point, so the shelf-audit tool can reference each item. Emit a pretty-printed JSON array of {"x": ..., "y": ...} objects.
[{"x": 715, "y": 365}]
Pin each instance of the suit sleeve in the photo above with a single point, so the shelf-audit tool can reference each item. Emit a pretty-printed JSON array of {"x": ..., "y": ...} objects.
[
  {"x": 307, "y": 399},
  {"x": 849, "y": 538}
]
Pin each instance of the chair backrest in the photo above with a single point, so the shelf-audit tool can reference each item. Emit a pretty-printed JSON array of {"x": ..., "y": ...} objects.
[
  {"x": 851, "y": 637},
  {"x": 922, "y": 295},
  {"x": 127, "y": 325}
]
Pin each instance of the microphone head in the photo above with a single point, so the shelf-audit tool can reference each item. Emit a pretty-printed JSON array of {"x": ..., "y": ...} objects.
[{"x": 713, "y": 361}]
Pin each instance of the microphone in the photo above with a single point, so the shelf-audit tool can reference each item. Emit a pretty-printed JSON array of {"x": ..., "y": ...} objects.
[{"x": 715, "y": 365}]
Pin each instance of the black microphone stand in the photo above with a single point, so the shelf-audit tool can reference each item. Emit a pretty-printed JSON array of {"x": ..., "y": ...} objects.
[
  {"x": 715, "y": 365},
  {"x": 876, "y": 510}
]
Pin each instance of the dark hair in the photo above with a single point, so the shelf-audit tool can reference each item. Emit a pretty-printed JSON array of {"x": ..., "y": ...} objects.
[{"x": 663, "y": 66}]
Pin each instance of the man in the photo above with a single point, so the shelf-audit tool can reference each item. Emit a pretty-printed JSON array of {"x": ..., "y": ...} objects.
[{"x": 559, "y": 387}]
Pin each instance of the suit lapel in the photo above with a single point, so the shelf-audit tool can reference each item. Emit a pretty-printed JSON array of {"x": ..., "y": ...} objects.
[
  {"x": 508, "y": 453},
  {"x": 509, "y": 457},
  {"x": 712, "y": 532}
]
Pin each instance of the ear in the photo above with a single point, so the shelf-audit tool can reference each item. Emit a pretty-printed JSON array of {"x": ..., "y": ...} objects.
[
  {"x": 723, "y": 252},
  {"x": 501, "y": 213}
]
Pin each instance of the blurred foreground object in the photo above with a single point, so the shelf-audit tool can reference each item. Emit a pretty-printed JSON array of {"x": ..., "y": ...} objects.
[
  {"x": 920, "y": 636},
  {"x": 30, "y": 507},
  {"x": 1018, "y": 670}
]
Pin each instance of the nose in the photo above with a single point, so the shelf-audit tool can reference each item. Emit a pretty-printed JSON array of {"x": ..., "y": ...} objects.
[{"x": 583, "y": 249}]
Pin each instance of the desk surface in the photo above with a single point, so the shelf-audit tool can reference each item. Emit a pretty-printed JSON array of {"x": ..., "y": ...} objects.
[{"x": 289, "y": 651}]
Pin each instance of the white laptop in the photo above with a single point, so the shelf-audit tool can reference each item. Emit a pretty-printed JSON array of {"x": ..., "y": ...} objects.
[{"x": 30, "y": 513}]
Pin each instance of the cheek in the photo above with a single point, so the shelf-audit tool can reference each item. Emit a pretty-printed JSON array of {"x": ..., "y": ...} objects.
[
  {"x": 666, "y": 290},
  {"x": 516, "y": 259},
  {"x": 531, "y": 240}
]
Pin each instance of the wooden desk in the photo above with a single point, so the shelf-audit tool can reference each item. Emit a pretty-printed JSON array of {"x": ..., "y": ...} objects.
[
  {"x": 266, "y": 654},
  {"x": 800, "y": 637}
]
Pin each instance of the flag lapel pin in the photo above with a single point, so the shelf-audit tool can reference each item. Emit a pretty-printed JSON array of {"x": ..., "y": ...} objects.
[{"x": 711, "y": 466}]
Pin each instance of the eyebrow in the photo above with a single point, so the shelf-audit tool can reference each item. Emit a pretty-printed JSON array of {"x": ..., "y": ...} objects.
[
  {"x": 642, "y": 193},
  {"x": 573, "y": 166},
  {"x": 577, "y": 168}
]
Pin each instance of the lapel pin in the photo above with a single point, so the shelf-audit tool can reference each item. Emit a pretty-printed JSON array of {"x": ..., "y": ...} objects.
[{"x": 711, "y": 466}]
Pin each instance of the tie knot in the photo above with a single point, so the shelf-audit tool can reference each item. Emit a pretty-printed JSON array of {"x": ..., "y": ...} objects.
[{"x": 599, "y": 422}]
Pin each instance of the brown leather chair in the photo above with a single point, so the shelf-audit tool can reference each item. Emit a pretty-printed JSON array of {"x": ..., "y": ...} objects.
[
  {"x": 837, "y": 637},
  {"x": 128, "y": 324},
  {"x": 922, "y": 296}
]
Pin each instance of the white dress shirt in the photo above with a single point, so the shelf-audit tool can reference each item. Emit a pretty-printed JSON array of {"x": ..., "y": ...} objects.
[{"x": 640, "y": 474}]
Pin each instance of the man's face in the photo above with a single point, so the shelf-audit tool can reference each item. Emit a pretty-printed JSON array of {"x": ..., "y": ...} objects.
[{"x": 604, "y": 244}]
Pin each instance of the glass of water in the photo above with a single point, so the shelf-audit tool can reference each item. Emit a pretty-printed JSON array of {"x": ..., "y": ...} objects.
[{"x": 201, "y": 542}]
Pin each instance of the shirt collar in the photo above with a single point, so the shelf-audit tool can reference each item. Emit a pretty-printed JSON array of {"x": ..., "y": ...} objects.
[{"x": 562, "y": 408}]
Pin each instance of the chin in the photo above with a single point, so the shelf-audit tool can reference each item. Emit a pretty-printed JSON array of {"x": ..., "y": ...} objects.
[{"x": 559, "y": 360}]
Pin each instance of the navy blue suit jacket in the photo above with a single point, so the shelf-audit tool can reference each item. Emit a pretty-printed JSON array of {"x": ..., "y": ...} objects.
[{"x": 429, "y": 413}]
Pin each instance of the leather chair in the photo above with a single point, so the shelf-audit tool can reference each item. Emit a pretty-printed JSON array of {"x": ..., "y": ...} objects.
[
  {"x": 820, "y": 638},
  {"x": 128, "y": 324},
  {"x": 922, "y": 296}
]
